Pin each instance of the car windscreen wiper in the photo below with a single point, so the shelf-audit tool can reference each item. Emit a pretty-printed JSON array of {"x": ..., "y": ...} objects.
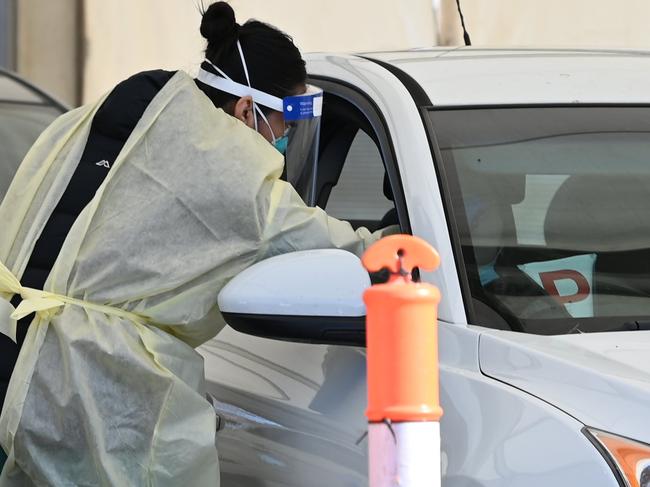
[
  {"x": 631, "y": 326},
  {"x": 636, "y": 325}
]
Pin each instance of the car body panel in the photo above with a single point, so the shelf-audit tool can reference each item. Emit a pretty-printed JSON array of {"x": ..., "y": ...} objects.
[
  {"x": 293, "y": 412},
  {"x": 294, "y": 417},
  {"x": 602, "y": 379},
  {"x": 473, "y": 77},
  {"x": 495, "y": 435}
]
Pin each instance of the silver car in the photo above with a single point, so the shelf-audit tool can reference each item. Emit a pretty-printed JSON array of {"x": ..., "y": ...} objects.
[
  {"x": 528, "y": 170},
  {"x": 25, "y": 111}
]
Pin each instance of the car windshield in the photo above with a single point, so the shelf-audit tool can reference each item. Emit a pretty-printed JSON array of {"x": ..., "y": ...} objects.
[
  {"x": 552, "y": 210},
  {"x": 24, "y": 114}
]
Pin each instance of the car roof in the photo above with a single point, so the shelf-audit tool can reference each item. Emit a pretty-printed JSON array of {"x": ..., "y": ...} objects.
[{"x": 468, "y": 76}]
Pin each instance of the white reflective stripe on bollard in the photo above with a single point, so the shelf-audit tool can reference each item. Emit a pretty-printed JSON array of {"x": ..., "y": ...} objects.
[{"x": 409, "y": 456}]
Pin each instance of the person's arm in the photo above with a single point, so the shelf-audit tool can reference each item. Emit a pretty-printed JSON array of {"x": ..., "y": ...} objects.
[{"x": 291, "y": 225}]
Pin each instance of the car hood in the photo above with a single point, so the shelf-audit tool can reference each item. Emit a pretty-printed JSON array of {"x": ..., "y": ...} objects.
[{"x": 601, "y": 379}]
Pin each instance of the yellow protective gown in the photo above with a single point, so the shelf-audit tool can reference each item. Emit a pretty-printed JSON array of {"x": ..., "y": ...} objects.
[{"x": 100, "y": 396}]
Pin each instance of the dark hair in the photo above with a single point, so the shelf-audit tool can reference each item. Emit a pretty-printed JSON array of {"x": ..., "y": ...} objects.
[{"x": 274, "y": 63}]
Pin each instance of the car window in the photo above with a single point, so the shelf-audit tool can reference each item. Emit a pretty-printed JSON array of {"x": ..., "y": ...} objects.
[
  {"x": 552, "y": 208},
  {"x": 359, "y": 194}
]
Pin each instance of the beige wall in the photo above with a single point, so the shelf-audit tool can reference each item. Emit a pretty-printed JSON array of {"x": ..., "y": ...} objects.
[
  {"x": 48, "y": 46},
  {"x": 127, "y": 36},
  {"x": 582, "y": 23},
  {"x": 347, "y": 25},
  {"x": 122, "y": 37}
]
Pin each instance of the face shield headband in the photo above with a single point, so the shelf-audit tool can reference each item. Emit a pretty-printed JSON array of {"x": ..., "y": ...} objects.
[
  {"x": 294, "y": 108},
  {"x": 299, "y": 143}
]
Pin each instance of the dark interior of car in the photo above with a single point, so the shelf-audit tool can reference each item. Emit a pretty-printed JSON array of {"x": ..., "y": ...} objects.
[
  {"x": 621, "y": 267},
  {"x": 340, "y": 123}
]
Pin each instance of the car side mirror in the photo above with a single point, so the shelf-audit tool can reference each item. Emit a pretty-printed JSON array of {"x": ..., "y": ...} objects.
[{"x": 313, "y": 296}]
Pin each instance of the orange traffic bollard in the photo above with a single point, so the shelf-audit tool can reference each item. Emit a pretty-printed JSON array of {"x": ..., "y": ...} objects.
[{"x": 402, "y": 350}]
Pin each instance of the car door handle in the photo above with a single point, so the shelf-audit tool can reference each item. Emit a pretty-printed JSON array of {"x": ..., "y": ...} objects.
[{"x": 213, "y": 402}]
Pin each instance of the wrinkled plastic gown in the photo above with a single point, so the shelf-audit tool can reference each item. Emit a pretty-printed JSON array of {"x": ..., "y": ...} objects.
[{"x": 192, "y": 199}]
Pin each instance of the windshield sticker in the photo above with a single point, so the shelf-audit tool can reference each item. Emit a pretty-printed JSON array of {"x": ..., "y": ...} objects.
[{"x": 568, "y": 280}]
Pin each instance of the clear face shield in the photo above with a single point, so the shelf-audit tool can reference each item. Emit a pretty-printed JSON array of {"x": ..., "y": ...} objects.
[{"x": 302, "y": 114}]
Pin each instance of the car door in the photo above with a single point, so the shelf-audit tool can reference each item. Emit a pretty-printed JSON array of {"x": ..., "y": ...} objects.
[{"x": 292, "y": 414}]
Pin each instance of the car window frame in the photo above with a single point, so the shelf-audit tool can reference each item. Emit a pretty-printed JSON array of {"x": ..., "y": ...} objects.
[
  {"x": 365, "y": 104},
  {"x": 46, "y": 99},
  {"x": 424, "y": 106}
]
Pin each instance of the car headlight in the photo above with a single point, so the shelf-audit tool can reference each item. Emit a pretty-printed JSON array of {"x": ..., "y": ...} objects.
[{"x": 631, "y": 458}]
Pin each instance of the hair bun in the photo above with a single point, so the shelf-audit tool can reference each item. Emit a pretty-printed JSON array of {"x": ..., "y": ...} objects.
[{"x": 218, "y": 24}]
